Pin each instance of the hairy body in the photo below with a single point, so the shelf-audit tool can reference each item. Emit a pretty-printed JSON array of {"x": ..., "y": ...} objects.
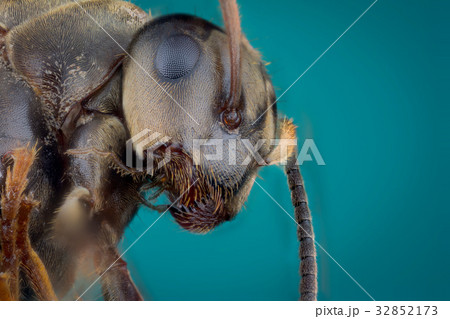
[{"x": 78, "y": 79}]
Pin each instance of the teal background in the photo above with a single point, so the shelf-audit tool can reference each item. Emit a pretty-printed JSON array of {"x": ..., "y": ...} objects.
[{"x": 377, "y": 107}]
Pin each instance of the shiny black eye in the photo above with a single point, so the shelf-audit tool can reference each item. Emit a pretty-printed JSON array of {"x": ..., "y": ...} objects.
[{"x": 177, "y": 56}]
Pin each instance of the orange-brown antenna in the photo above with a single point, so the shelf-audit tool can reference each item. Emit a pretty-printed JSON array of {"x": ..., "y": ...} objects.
[{"x": 230, "y": 11}]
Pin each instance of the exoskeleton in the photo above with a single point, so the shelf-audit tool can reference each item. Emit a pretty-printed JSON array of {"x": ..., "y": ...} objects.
[{"x": 78, "y": 81}]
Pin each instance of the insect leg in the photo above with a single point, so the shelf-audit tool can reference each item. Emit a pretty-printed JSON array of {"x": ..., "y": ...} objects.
[
  {"x": 113, "y": 159},
  {"x": 5, "y": 292},
  {"x": 106, "y": 197},
  {"x": 16, "y": 247},
  {"x": 116, "y": 281}
]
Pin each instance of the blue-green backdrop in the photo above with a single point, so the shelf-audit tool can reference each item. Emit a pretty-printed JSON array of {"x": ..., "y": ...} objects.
[{"x": 376, "y": 104}]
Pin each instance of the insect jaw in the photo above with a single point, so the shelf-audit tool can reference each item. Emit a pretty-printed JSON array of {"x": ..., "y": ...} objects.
[
  {"x": 199, "y": 202},
  {"x": 200, "y": 216}
]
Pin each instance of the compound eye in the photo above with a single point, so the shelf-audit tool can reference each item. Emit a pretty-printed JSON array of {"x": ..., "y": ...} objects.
[{"x": 177, "y": 56}]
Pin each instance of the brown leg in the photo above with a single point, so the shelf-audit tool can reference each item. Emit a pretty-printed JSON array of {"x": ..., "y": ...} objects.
[
  {"x": 115, "y": 277},
  {"x": 116, "y": 162},
  {"x": 5, "y": 291},
  {"x": 16, "y": 247}
]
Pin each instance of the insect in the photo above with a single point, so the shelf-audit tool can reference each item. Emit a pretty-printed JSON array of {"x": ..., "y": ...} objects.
[{"x": 78, "y": 79}]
